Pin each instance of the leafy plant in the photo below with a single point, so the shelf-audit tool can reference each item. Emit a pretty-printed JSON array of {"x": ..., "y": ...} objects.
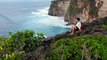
[
  {"x": 17, "y": 44},
  {"x": 104, "y": 26},
  {"x": 80, "y": 48}
]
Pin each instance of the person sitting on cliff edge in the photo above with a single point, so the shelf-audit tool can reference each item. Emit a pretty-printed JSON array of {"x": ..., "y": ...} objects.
[{"x": 76, "y": 27}]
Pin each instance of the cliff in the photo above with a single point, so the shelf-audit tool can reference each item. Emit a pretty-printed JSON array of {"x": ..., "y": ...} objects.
[
  {"x": 94, "y": 28},
  {"x": 87, "y": 10},
  {"x": 59, "y": 7}
]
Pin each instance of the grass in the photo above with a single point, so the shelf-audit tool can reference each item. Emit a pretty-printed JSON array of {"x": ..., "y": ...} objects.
[{"x": 104, "y": 26}]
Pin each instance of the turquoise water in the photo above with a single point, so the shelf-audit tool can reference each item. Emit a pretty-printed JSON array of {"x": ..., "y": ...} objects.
[{"x": 18, "y": 16}]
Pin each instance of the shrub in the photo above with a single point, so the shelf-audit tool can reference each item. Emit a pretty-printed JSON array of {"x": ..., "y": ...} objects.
[
  {"x": 88, "y": 47},
  {"x": 104, "y": 26},
  {"x": 17, "y": 44}
]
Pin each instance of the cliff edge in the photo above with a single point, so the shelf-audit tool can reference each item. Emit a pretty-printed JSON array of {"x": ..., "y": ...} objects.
[
  {"x": 87, "y": 10},
  {"x": 59, "y": 7}
]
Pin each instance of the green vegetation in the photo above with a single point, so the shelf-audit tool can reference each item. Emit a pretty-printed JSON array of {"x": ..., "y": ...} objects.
[
  {"x": 73, "y": 9},
  {"x": 17, "y": 44},
  {"x": 93, "y": 10},
  {"x": 104, "y": 25},
  {"x": 88, "y": 47}
]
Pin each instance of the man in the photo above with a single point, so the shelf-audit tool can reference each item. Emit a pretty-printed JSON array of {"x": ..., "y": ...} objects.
[{"x": 76, "y": 27}]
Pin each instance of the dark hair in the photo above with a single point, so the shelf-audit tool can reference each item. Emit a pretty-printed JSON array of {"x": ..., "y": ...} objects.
[{"x": 78, "y": 19}]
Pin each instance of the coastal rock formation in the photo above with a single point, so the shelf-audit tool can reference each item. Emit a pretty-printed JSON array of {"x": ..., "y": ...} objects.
[
  {"x": 59, "y": 7},
  {"x": 87, "y": 10},
  {"x": 93, "y": 28}
]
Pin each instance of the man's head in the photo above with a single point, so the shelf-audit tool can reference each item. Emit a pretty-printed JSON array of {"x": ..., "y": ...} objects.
[{"x": 78, "y": 19}]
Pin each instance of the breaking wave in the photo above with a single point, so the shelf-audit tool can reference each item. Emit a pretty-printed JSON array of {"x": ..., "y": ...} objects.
[{"x": 49, "y": 20}]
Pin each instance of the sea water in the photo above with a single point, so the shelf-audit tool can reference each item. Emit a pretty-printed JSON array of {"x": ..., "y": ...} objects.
[{"x": 32, "y": 15}]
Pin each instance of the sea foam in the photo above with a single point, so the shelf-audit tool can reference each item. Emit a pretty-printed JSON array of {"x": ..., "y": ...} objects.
[{"x": 49, "y": 20}]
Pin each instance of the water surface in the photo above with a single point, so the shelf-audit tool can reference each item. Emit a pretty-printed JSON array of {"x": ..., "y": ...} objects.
[{"x": 21, "y": 15}]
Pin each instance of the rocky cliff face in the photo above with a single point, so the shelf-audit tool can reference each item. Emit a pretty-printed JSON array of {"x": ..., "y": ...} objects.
[
  {"x": 87, "y": 10},
  {"x": 59, "y": 7}
]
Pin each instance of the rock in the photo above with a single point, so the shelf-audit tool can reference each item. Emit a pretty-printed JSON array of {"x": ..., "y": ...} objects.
[
  {"x": 43, "y": 51},
  {"x": 58, "y": 7},
  {"x": 105, "y": 32},
  {"x": 87, "y": 10}
]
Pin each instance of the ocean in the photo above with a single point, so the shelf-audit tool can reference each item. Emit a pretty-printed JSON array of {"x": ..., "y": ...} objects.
[{"x": 32, "y": 15}]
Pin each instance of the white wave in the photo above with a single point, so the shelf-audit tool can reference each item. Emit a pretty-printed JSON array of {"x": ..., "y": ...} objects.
[
  {"x": 41, "y": 12},
  {"x": 54, "y": 21},
  {"x": 50, "y": 20}
]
